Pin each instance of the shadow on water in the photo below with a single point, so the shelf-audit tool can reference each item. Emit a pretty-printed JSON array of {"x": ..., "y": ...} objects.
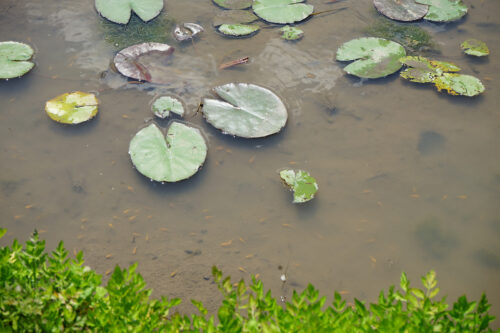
[
  {"x": 434, "y": 239},
  {"x": 67, "y": 130}
]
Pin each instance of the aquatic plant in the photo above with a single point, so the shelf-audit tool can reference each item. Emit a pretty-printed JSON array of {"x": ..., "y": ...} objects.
[
  {"x": 72, "y": 108},
  {"x": 119, "y": 11},
  {"x": 303, "y": 185},
  {"x": 15, "y": 59}
]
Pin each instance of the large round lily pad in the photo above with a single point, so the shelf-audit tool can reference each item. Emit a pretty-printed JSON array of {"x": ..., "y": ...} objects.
[
  {"x": 444, "y": 10},
  {"x": 119, "y": 11},
  {"x": 72, "y": 108},
  {"x": 234, "y": 4},
  {"x": 401, "y": 10},
  {"x": 375, "y": 57},
  {"x": 14, "y": 59},
  {"x": 302, "y": 184},
  {"x": 175, "y": 158},
  {"x": 282, "y": 11},
  {"x": 246, "y": 110}
]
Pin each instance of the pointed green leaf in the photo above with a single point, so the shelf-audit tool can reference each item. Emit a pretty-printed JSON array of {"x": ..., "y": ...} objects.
[
  {"x": 475, "y": 47},
  {"x": 401, "y": 10},
  {"x": 119, "y": 11},
  {"x": 375, "y": 57},
  {"x": 302, "y": 184},
  {"x": 72, "y": 108},
  {"x": 234, "y": 4},
  {"x": 246, "y": 110},
  {"x": 238, "y": 30},
  {"x": 163, "y": 105},
  {"x": 14, "y": 59},
  {"x": 291, "y": 33},
  {"x": 444, "y": 10},
  {"x": 459, "y": 84},
  {"x": 175, "y": 158},
  {"x": 2, "y": 232},
  {"x": 282, "y": 11}
]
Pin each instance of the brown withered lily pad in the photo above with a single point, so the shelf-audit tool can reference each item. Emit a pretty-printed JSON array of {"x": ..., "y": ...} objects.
[{"x": 401, "y": 10}]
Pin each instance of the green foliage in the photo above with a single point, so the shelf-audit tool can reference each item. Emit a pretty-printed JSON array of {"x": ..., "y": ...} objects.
[{"x": 42, "y": 293}]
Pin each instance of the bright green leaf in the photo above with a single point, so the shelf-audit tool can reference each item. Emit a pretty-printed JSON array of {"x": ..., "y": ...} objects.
[
  {"x": 282, "y": 11},
  {"x": 444, "y": 10},
  {"x": 178, "y": 157},
  {"x": 401, "y": 10},
  {"x": 72, "y": 108},
  {"x": 375, "y": 57},
  {"x": 238, "y": 30},
  {"x": 246, "y": 110},
  {"x": 234, "y": 4},
  {"x": 475, "y": 47},
  {"x": 163, "y": 105},
  {"x": 2, "y": 232},
  {"x": 119, "y": 11},
  {"x": 291, "y": 33},
  {"x": 14, "y": 59},
  {"x": 302, "y": 184}
]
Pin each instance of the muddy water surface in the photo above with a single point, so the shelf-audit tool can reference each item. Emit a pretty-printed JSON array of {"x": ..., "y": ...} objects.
[{"x": 409, "y": 178}]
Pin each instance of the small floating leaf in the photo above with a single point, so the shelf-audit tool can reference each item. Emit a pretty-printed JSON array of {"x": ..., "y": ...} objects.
[
  {"x": 246, "y": 110},
  {"x": 375, "y": 57},
  {"x": 282, "y": 11},
  {"x": 475, "y": 47},
  {"x": 401, "y": 10},
  {"x": 119, "y": 11},
  {"x": 291, "y": 33},
  {"x": 163, "y": 105},
  {"x": 175, "y": 158},
  {"x": 238, "y": 30},
  {"x": 459, "y": 84},
  {"x": 444, "y": 10},
  {"x": 72, "y": 108},
  {"x": 14, "y": 59},
  {"x": 302, "y": 184},
  {"x": 187, "y": 31},
  {"x": 234, "y": 4},
  {"x": 234, "y": 17}
]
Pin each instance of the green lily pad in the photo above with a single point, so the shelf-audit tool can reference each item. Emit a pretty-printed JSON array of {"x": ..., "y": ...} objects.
[
  {"x": 375, "y": 57},
  {"x": 119, "y": 11},
  {"x": 234, "y": 17},
  {"x": 234, "y": 4},
  {"x": 72, "y": 108},
  {"x": 175, "y": 158},
  {"x": 444, "y": 10},
  {"x": 282, "y": 11},
  {"x": 238, "y": 30},
  {"x": 14, "y": 59},
  {"x": 401, "y": 10},
  {"x": 291, "y": 33},
  {"x": 246, "y": 110},
  {"x": 442, "y": 74},
  {"x": 302, "y": 184},
  {"x": 163, "y": 105},
  {"x": 475, "y": 47}
]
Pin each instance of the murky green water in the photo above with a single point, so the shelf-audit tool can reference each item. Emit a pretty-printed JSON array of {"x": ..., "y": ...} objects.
[{"x": 409, "y": 178}]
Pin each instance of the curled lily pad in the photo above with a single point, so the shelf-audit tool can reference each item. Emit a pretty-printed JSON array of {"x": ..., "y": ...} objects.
[
  {"x": 163, "y": 105},
  {"x": 302, "y": 184},
  {"x": 238, "y": 30},
  {"x": 233, "y": 17},
  {"x": 375, "y": 57},
  {"x": 401, "y": 10},
  {"x": 475, "y": 47},
  {"x": 291, "y": 33},
  {"x": 72, "y": 108},
  {"x": 234, "y": 4},
  {"x": 128, "y": 61},
  {"x": 246, "y": 110},
  {"x": 119, "y": 11},
  {"x": 187, "y": 31},
  {"x": 175, "y": 158},
  {"x": 282, "y": 11},
  {"x": 14, "y": 59},
  {"x": 444, "y": 10}
]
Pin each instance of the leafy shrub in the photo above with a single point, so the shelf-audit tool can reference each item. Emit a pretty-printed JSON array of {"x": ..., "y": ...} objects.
[{"x": 42, "y": 293}]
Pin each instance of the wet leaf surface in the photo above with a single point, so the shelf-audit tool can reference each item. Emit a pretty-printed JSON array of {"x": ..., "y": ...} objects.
[
  {"x": 187, "y": 31},
  {"x": 302, "y": 184},
  {"x": 14, "y": 59},
  {"x": 119, "y": 11},
  {"x": 163, "y": 105},
  {"x": 475, "y": 47},
  {"x": 175, "y": 158},
  {"x": 401, "y": 10},
  {"x": 234, "y": 4},
  {"x": 282, "y": 11},
  {"x": 234, "y": 17},
  {"x": 72, "y": 108},
  {"x": 444, "y": 10},
  {"x": 245, "y": 110},
  {"x": 238, "y": 30}
]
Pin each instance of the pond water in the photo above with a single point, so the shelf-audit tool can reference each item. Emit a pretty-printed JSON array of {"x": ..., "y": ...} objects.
[{"x": 409, "y": 178}]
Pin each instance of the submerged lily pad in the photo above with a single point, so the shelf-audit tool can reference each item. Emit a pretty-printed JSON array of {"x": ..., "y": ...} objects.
[
  {"x": 234, "y": 4},
  {"x": 291, "y": 33},
  {"x": 302, "y": 184},
  {"x": 246, "y": 110},
  {"x": 175, "y": 158},
  {"x": 163, "y": 105},
  {"x": 375, "y": 57},
  {"x": 119, "y": 11},
  {"x": 233, "y": 17},
  {"x": 282, "y": 11},
  {"x": 72, "y": 108},
  {"x": 475, "y": 47},
  {"x": 187, "y": 31},
  {"x": 444, "y": 10},
  {"x": 14, "y": 59},
  {"x": 442, "y": 74},
  {"x": 238, "y": 30},
  {"x": 401, "y": 10}
]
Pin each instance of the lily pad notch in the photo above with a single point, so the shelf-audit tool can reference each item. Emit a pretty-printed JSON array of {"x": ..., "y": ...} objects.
[
  {"x": 119, "y": 11},
  {"x": 303, "y": 185},
  {"x": 15, "y": 59}
]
